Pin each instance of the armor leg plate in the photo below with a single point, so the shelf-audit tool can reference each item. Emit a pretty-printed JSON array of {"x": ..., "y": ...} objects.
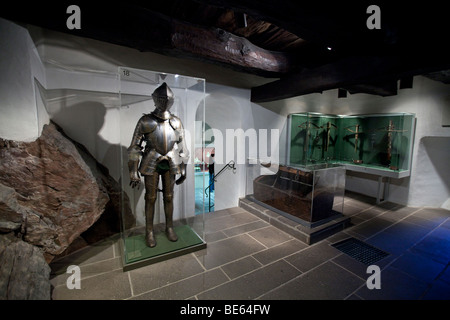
[
  {"x": 151, "y": 188},
  {"x": 168, "y": 181}
]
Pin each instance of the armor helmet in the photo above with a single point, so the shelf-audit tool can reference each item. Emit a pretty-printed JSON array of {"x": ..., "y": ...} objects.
[{"x": 163, "y": 98}]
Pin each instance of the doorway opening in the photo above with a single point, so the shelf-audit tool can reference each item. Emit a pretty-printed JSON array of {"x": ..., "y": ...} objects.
[{"x": 204, "y": 176}]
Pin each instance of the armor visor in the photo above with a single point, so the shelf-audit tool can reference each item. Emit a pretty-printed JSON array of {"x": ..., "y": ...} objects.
[{"x": 163, "y": 98}]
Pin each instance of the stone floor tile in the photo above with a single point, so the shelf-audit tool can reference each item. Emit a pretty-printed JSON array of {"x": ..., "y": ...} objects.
[
  {"x": 162, "y": 273},
  {"x": 356, "y": 219},
  {"x": 426, "y": 223},
  {"x": 88, "y": 270},
  {"x": 313, "y": 256},
  {"x": 270, "y": 236},
  {"x": 228, "y": 221},
  {"x": 242, "y": 266},
  {"x": 435, "y": 246},
  {"x": 215, "y": 236},
  {"x": 350, "y": 210},
  {"x": 407, "y": 231},
  {"x": 438, "y": 291},
  {"x": 186, "y": 288},
  {"x": 445, "y": 275},
  {"x": 280, "y": 251},
  {"x": 390, "y": 243},
  {"x": 388, "y": 205},
  {"x": 371, "y": 227},
  {"x": 434, "y": 214},
  {"x": 328, "y": 281},
  {"x": 352, "y": 265},
  {"x": 395, "y": 285},
  {"x": 370, "y": 213},
  {"x": 419, "y": 266},
  {"x": 358, "y": 203},
  {"x": 245, "y": 228},
  {"x": 446, "y": 224},
  {"x": 251, "y": 286},
  {"x": 353, "y": 297},
  {"x": 112, "y": 285},
  {"x": 225, "y": 251},
  {"x": 93, "y": 253},
  {"x": 349, "y": 195},
  {"x": 339, "y": 236},
  {"x": 397, "y": 214}
]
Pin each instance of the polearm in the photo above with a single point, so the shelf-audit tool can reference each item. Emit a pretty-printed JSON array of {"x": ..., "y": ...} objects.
[
  {"x": 356, "y": 132},
  {"x": 307, "y": 125},
  {"x": 389, "y": 129},
  {"x": 329, "y": 127}
]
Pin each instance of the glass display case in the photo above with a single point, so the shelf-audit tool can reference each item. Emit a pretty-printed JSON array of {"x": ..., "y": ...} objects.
[
  {"x": 313, "y": 138},
  {"x": 309, "y": 195},
  {"x": 377, "y": 141},
  {"x": 374, "y": 143},
  {"x": 136, "y": 89}
]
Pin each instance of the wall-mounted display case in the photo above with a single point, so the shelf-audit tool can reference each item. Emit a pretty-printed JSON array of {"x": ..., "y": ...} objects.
[
  {"x": 313, "y": 138},
  {"x": 382, "y": 142},
  {"x": 136, "y": 89},
  {"x": 374, "y": 143}
]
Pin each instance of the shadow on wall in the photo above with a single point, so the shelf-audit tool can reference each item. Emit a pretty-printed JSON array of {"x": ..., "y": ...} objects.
[
  {"x": 438, "y": 149},
  {"x": 432, "y": 173},
  {"x": 83, "y": 122}
]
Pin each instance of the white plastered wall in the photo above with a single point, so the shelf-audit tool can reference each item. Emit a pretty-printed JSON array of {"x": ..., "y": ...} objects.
[
  {"x": 228, "y": 112},
  {"x": 21, "y": 106}
]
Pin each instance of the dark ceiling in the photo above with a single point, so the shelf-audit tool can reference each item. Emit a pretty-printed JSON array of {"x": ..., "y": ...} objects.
[{"x": 310, "y": 46}]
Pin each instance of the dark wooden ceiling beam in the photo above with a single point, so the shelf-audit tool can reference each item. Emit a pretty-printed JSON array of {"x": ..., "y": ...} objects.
[
  {"x": 384, "y": 89},
  {"x": 217, "y": 45},
  {"x": 147, "y": 30},
  {"x": 339, "y": 25},
  {"x": 348, "y": 72}
]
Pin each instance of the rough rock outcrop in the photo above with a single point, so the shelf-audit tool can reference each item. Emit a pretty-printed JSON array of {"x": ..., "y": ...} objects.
[
  {"x": 24, "y": 273},
  {"x": 52, "y": 190}
]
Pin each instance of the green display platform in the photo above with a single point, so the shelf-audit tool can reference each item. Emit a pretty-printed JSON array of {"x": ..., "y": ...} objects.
[{"x": 138, "y": 254}]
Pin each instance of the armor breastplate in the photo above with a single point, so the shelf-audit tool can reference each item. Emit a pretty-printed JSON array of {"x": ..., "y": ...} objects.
[{"x": 162, "y": 139}]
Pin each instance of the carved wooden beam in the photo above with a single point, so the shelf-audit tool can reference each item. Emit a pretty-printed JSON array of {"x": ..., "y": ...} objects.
[
  {"x": 341, "y": 26},
  {"x": 147, "y": 30},
  {"x": 217, "y": 45}
]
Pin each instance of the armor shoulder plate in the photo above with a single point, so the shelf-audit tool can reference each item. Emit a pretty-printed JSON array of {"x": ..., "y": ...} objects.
[
  {"x": 175, "y": 123},
  {"x": 148, "y": 123}
]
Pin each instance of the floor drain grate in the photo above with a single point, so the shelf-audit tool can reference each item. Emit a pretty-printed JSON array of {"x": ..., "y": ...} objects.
[{"x": 360, "y": 250}]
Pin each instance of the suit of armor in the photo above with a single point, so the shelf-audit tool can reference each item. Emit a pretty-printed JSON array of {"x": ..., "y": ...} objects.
[{"x": 165, "y": 155}]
